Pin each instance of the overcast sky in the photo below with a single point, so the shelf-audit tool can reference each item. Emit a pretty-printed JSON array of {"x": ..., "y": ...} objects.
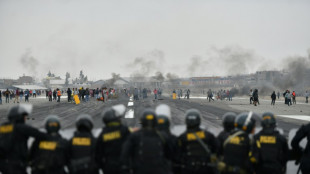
[{"x": 101, "y": 37}]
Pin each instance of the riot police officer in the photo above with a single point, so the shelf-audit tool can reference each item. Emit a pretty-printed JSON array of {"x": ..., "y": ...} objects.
[
  {"x": 147, "y": 148},
  {"x": 82, "y": 148},
  {"x": 270, "y": 148},
  {"x": 14, "y": 136},
  {"x": 163, "y": 118},
  {"x": 48, "y": 156},
  {"x": 237, "y": 147},
  {"x": 303, "y": 131},
  {"x": 163, "y": 113},
  {"x": 196, "y": 147},
  {"x": 229, "y": 125},
  {"x": 111, "y": 139}
]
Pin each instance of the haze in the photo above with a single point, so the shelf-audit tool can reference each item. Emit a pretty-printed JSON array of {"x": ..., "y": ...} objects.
[{"x": 186, "y": 38}]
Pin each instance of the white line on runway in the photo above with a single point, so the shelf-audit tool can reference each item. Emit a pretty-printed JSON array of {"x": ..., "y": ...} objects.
[
  {"x": 130, "y": 113},
  {"x": 130, "y": 103},
  {"x": 297, "y": 117}
]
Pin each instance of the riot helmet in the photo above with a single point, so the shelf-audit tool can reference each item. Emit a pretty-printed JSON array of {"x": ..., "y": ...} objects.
[
  {"x": 18, "y": 113},
  {"x": 163, "y": 117},
  {"x": 269, "y": 120},
  {"x": 52, "y": 124},
  {"x": 113, "y": 114},
  {"x": 192, "y": 119},
  {"x": 148, "y": 119},
  {"x": 245, "y": 122},
  {"x": 229, "y": 121},
  {"x": 84, "y": 122}
]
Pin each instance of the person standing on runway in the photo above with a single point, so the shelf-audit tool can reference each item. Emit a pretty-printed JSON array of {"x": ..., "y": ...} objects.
[{"x": 273, "y": 98}]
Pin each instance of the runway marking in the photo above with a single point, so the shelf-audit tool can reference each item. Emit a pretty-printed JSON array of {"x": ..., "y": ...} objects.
[
  {"x": 130, "y": 113},
  {"x": 297, "y": 117},
  {"x": 130, "y": 103}
]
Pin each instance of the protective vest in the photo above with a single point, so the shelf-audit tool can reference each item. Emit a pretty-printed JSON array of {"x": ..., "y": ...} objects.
[
  {"x": 59, "y": 93},
  {"x": 194, "y": 157},
  {"x": 49, "y": 155},
  {"x": 6, "y": 138},
  {"x": 270, "y": 150},
  {"x": 150, "y": 148},
  {"x": 236, "y": 151},
  {"x": 82, "y": 153},
  {"x": 109, "y": 143}
]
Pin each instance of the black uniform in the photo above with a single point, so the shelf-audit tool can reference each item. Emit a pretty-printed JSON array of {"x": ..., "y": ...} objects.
[
  {"x": 82, "y": 153},
  {"x": 69, "y": 92},
  {"x": 194, "y": 159},
  {"x": 270, "y": 149},
  {"x": 13, "y": 146},
  {"x": 49, "y": 156},
  {"x": 304, "y": 131},
  {"x": 236, "y": 153},
  {"x": 109, "y": 145},
  {"x": 149, "y": 150},
  {"x": 221, "y": 139}
]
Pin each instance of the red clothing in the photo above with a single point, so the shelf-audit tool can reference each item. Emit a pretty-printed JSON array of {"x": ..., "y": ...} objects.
[{"x": 155, "y": 91}]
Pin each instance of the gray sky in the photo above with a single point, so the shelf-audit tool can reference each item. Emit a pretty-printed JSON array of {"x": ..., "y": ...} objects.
[{"x": 184, "y": 37}]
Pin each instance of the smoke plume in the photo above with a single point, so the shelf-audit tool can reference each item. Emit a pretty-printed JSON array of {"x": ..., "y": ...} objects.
[
  {"x": 114, "y": 78},
  {"x": 296, "y": 73},
  {"x": 159, "y": 76},
  {"x": 29, "y": 62},
  {"x": 227, "y": 61}
]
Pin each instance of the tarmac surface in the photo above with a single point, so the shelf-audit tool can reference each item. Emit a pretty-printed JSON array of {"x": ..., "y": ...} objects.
[{"x": 289, "y": 118}]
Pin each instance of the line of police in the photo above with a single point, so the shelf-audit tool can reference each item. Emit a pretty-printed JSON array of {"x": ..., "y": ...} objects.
[{"x": 152, "y": 149}]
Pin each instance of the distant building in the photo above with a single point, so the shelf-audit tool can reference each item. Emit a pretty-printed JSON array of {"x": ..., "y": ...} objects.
[
  {"x": 25, "y": 80},
  {"x": 267, "y": 76},
  {"x": 7, "y": 83}
]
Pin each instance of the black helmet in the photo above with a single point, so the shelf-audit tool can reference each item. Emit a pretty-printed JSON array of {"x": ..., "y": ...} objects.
[
  {"x": 52, "y": 124},
  {"x": 229, "y": 121},
  {"x": 269, "y": 120},
  {"x": 163, "y": 123},
  {"x": 17, "y": 113},
  {"x": 113, "y": 114},
  {"x": 192, "y": 119},
  {"x": 148, "y": 119},
  {"x": 163, "y": 117},
  {"x": 245, "y": 122},
  {"x": 84, "y": 122}
]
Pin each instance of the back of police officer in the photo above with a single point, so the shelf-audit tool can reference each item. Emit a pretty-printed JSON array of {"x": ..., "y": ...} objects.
[
  {"x": 270, "y": 148},
  {"x": 163, "y": 113},
  {"x": 14, "y": 136},
  {"x": 196, "y": 146},
  {"x": 148, "y": 148},
  {"x": 229, "y": 125},
  {"x": 82, "y": 148},
  {"x": 111, "y": 139},
  {"x": 237, "y": 147},
  {"x": 48, "y": 156},
  {"x": 303, "y": 132}
]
